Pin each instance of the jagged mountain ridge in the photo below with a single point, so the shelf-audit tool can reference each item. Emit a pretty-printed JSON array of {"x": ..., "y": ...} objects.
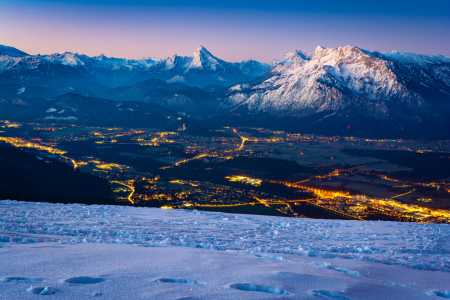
[
  {"x": 202, "y": 69},
  {"x": 347, "y": 83},
  {"x": 100, "y": 72},
  {"x": 297, "y": 56}
]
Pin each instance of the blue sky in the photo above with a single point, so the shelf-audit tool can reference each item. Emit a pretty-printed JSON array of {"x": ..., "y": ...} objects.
[{"x": 380, "y": 7}]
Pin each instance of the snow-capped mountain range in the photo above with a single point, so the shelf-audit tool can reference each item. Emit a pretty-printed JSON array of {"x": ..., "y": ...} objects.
[
  {"x": 348, "y": 83},
  {"x": 328, "y": 91},
  {"x": 200, "y": 69},
  {"x": 304, "y": 83}
]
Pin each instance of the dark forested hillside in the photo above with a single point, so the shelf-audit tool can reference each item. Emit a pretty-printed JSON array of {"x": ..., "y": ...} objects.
[{"x": 30, "y": 177}]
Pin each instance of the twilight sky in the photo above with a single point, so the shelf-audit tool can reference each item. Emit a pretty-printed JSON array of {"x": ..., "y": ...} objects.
[{"x": 231, "y": 30}]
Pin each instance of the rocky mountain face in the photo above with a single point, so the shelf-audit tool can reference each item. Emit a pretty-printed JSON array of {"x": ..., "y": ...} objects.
[
  {"x": 99, "y": 73},
  {"x": 348, "y": 86}
]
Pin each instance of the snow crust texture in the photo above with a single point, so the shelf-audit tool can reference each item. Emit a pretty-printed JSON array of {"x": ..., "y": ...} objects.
[
  {"x": 66, "y": 250},
  {"x": 409, "y": 245}
]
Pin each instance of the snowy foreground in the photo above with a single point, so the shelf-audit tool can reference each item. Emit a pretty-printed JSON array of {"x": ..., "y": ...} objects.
[{"x": 112, "y": 252}]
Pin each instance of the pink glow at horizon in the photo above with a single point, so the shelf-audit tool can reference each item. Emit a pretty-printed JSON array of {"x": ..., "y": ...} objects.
[{"x": 135, "y": 32}]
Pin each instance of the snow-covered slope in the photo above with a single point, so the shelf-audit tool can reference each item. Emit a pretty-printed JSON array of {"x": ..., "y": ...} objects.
[
  {"x": 421, "y": 59},
  {"x": 298, "y": 56},
  {"x": 348, "y": 81},
  {"x": 141, "y": 253},
  {"x": 11, "y": 51},
  {"x": 252, "y": 67}
]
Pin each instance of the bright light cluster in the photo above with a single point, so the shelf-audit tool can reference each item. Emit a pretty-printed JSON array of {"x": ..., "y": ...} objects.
[{"x": 245, "y": 180}]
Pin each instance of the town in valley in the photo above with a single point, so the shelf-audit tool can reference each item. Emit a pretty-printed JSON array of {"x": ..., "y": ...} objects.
[{"x": 251, "y": 170}]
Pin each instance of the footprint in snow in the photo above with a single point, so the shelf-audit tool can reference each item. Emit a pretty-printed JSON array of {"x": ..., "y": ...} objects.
[
  {"x": 84, "y": 280},
  {"x": 342, "y": 270},
  {"x": 439, "y": 293},
  {"x": 322, "y": 293},
  {"x": 397, "y": 284},
  {"x": 173, "y": 280},
  {"x": 258, "y": 288},
  {"x": 20, "y": 279}
]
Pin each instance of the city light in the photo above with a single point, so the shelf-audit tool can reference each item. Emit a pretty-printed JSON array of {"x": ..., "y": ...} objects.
[
  {"x": 245, "y": 180},
  {"x": 191, "y": 194}
]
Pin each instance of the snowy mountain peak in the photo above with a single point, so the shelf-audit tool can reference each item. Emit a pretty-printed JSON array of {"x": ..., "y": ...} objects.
[
  {"x": 298, "y": 56},
  {"x": 334, "y": 56},
  {"x": 201, "y": 50},
  {"x": 11, "y": 51},
  {"x": 318, "y": 49},
  {"x": 170, "y": 62},
  {"x": 348, "y": 82},
  {"x": 173, "y": 57},
  {"x": 67, "y": 58},
  {"x": 203, "y": 54},
  {"x": 203, "y": 59}
]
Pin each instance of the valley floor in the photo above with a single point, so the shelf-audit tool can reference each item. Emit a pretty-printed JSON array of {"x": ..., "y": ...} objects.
[{"x": 112, "y": 252}]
